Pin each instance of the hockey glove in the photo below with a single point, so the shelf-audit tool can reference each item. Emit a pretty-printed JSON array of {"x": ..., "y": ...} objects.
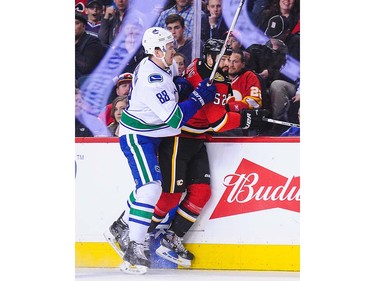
[
  {"x": 183, "y": 86},
  {"x": 252, "y": 118},
  {"x": 203, "y": 94}
]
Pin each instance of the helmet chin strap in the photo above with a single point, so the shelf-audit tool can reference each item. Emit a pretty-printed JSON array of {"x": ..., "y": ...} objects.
[{"x": 163, "y": 60}]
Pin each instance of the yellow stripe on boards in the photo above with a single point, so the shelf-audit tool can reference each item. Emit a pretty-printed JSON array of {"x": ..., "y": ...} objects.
[
  {"x": 245, "y": 257},
  {"x": 96, "y": 254},
  {"x": 207, "y": 256}
]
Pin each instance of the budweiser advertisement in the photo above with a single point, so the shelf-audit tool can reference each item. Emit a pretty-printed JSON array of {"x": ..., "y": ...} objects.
[{"x": 253, "y": 187}]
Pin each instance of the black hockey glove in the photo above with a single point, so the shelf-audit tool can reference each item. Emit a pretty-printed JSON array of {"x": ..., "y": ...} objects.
[
  {"x": 203, "y": 94},
  {"x": 252, "y": 118},
  {"x": 183, "y": 86}
]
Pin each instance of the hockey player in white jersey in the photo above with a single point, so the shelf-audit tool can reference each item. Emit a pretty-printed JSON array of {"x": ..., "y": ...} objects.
[{"x": 153, "y": 112}]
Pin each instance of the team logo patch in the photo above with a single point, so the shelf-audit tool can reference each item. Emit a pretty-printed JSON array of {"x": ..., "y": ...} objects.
[
  {"x": 219, "y": 77},
  {"x": 152, "y": 78}
]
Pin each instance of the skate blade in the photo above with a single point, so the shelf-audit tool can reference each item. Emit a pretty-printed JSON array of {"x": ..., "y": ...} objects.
[
  {"x": 133, "y": 269},
  {"x": 168, "y": 254},
  {"x": 111, "y": 240}
]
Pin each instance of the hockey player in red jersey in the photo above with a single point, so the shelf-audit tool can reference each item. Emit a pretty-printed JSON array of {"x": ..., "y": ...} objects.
[{"x": 184, "y": 161}]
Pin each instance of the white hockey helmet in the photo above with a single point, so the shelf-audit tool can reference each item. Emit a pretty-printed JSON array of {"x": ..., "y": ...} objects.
[{"x": 156, "y": 37}]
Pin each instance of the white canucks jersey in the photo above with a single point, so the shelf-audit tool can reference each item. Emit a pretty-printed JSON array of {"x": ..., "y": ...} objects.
[{"x": 153, "y": 110}]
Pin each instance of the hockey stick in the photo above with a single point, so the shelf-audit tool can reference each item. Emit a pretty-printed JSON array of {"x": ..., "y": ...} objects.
[
  {"x": 280, "y": 122},
  {"x": 222, "y": 51}
]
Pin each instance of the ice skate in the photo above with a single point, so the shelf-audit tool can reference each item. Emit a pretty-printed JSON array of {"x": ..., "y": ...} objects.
[
  {"x": 135, "y": 261},
  {"x": 172, "y": 249},
  {"x": 118, "y": 232}
]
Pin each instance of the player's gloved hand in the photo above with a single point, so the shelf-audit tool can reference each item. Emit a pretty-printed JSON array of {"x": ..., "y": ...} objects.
[
  {"x": 252, "y": 118},
  {"x": 203, "y": 94},
  {"x": 183, "y": 86}
]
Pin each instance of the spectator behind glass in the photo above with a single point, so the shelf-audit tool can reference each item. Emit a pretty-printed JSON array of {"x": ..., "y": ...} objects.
[
  {"x": 180, "y": 59},
  {"x": 111, "y": 21},
  {"x": 291, "y": 40},
  {"x": 290, "y": 10},
  {"x": 94, "y": 11},
  {"x": 88, "y": 49},
  {"x": 133, "y": 36},
  {"x": 118, "y": 105},
  {"x": 81, "y": 129},
  {"x": 182, "y": 8},
  {"x": 123, "y": 85},
  {"x": 268, "y": 59},
  {"x": 285, "y": 103},
  {"x": 255, "y": 8},
  {"x": 234, "y": 41},
  {"x": 176, "y": 25},
  {"x": 213, "y": 24},
  {"x": 246, "y": 87},
  {"x": 294, "y": 131},
  {"x": 282, "y": 89}
]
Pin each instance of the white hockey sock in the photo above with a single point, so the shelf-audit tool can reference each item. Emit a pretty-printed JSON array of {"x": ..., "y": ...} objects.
[{"x": 142, "y": 209}]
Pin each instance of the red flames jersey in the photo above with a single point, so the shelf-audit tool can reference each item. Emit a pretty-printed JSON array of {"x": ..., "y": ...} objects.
[
  {"x": 247, "y": 89},
  {"x": 212, "y": 117}
]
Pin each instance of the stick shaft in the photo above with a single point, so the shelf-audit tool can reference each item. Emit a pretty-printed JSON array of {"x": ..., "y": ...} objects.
[
  {"x": 222, "y": 51},
  {"x": 280, "y": 122}
]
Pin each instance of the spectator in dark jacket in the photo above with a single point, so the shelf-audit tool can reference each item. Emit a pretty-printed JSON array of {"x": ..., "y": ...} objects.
[
  {"x": 112, "y": 21},
  {"x": 268, "y": 59},
  {"x": 88, "y": 49},
  {"x": 213, "y": 24}
]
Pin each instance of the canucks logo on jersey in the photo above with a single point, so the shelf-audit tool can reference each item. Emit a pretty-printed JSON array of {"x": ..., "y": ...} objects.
[{"x": 152, "y": 78}]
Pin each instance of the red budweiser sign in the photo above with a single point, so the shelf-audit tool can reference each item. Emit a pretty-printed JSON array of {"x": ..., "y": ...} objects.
[{"x": 254, "y": 188}]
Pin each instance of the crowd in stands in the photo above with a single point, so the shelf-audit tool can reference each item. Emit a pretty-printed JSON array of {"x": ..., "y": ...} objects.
[{"x": 98, "y": 22}]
